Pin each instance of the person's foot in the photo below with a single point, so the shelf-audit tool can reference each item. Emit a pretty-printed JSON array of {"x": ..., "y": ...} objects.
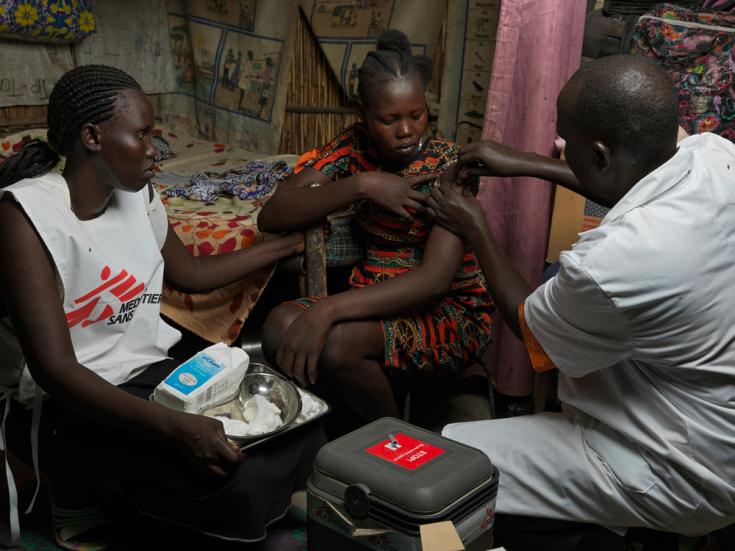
[
  {"x": 86, "y": 529},
  {"x": 79, "y": 523}
]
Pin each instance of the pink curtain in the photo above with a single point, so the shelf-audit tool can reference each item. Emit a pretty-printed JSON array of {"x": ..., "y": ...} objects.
[{"x": 539, "y": 46}]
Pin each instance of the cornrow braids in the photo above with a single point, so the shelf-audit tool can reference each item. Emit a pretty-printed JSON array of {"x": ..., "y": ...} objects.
[
  {"x": 82, "y": 95},
  {"x": 391, "y": 59}
]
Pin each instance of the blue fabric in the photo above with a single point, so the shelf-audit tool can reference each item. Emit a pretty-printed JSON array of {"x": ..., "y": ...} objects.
[{"x": 253, "y": 180}]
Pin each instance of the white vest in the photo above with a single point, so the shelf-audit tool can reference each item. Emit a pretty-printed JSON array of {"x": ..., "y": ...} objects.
[{"x": 110, "y": 272}]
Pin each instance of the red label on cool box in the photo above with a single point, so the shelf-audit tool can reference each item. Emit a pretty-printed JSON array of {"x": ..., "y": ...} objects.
[{"x": 405, "y": 451}]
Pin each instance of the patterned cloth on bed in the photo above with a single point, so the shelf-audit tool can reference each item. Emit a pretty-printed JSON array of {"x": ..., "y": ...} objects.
[
  {"x": 696, "y": 50},
  {"x": 253, "y": 180},
  {"x": 218, "y": 227}
]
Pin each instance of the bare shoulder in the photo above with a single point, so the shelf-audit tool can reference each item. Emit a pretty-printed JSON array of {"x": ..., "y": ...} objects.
[
  {"x": 20, "y": 245},
  {"x": 8, "y": 204},
  {"x": 14, "y": 223}
]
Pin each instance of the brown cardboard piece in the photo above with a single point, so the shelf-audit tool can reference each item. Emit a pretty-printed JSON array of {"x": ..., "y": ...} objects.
[
  {"x": 440, "y": 536},
  {"x": 566, "y": 222}
]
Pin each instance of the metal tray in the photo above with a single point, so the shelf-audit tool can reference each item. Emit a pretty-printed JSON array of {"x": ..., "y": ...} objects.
[{"x": 248, "y": 442}]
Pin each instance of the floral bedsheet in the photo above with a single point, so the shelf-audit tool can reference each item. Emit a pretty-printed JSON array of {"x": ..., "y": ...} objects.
[{"x": 221, "y": 226}]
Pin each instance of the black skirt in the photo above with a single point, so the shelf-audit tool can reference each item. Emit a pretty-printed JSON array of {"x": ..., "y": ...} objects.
[{"x": 154, "y": 478}]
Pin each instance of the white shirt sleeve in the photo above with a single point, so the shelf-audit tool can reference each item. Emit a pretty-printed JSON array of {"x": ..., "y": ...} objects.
[
  {"x": 157, "y": 217},
  {"x": 576, "y": 323}
]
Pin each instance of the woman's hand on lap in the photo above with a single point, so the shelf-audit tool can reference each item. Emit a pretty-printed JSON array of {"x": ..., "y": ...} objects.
[
  {"x": 302, "y": 344},
  {"x": 394, "y": 193},
  {"x": 203, "y": 443}
]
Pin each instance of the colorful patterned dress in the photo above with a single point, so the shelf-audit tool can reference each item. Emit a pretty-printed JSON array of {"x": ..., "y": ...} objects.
[{"x": 447, "y": 334}]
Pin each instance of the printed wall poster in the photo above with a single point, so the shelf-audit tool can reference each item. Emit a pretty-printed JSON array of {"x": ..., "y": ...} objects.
[
  {"x": 229, "y": 57},
  {"x": 348, "y": 29},
  {"x": 468, "y": 63}
]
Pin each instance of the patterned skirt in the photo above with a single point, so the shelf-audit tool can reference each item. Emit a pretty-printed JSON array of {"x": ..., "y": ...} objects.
[{"x": 447, "y": 335}]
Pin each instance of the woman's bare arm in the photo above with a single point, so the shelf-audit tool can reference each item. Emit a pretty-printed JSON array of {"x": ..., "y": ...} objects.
[
  {"x": 461, "y": 213},
  {"x": 196, "y": 274},
  {"x": 442, "y": 257},
  {"x": 297, "y": 203}
]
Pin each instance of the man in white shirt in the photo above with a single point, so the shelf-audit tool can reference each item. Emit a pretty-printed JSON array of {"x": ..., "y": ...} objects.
[{"x": 639, "y": 321}]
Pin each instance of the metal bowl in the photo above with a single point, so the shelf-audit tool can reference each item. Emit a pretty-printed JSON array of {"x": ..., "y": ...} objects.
[
  {"x": 274, "y": 388},
  {"x": 256, "y": 367}
]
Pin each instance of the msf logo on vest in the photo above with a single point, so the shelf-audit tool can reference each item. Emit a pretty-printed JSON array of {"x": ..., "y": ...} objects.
[{"x": 124, "y": 295}]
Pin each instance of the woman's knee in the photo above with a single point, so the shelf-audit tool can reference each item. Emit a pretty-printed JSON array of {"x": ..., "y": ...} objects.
[
  {"x": 277, "y": 323},
  {"x": 336, "y": 353},
  {"x": 348, "y": 344}
]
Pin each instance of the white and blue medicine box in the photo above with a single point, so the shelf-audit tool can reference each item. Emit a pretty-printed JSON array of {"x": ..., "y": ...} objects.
[
  {"x": 208, "y": 378},
  {"x": 193, "y": 373}
]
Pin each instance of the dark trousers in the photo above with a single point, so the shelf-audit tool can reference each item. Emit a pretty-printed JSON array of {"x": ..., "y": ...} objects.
[{"x": 155, "y": 479}]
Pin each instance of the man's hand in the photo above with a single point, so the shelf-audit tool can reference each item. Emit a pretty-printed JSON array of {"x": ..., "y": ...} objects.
[
  {"x": 456, "y": 178},
  {"x": 456, "y": 209},
  {"x": 488, "y": 158}
]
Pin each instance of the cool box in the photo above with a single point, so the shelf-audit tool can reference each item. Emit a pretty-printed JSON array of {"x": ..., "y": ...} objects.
[{"x": 374, "y": 487}]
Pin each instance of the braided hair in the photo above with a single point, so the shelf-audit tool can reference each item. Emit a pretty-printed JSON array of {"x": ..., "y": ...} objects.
[
  {"x": 82, "y": 95},
  {"x": 392, "y": 59}
]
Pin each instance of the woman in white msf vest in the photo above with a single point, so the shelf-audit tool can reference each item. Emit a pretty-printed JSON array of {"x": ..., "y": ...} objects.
[{"x": 82, "y": 258}]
